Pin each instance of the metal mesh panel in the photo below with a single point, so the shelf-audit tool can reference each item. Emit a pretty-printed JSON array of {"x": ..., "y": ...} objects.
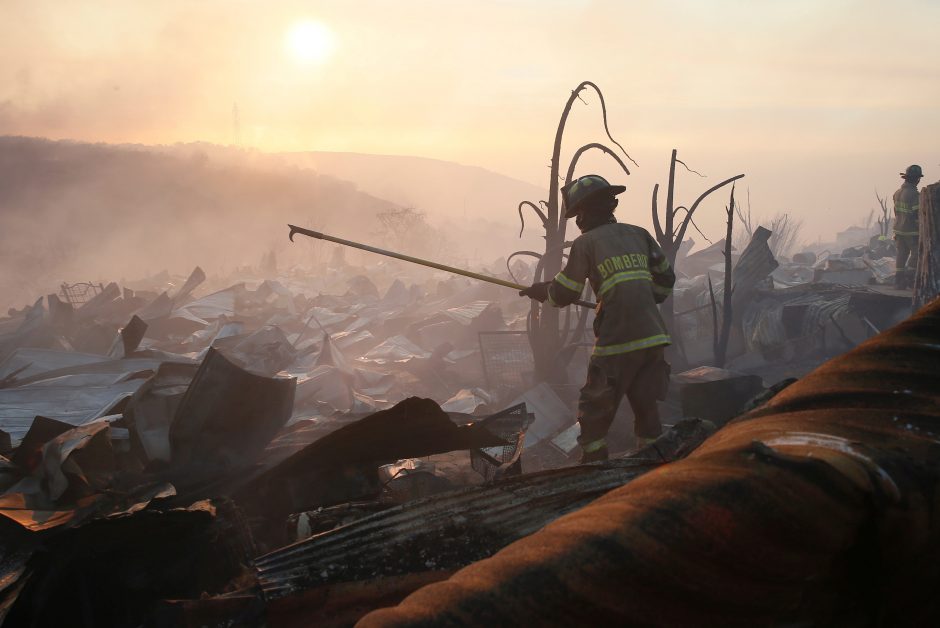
[
  {"x": 509, "y": 425},
  {"x": 507, "y": 362},
  {"x": 81, "y": 293}
]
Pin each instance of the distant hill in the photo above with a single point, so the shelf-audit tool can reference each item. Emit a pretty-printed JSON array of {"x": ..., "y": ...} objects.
[
  {"x": 441, "y": 188},
  {"x": 73, "y": 211},
  {"x": 476, "y": 207}
]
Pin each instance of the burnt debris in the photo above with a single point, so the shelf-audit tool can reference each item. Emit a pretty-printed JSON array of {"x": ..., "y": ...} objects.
[{"x": 299, "y": 451}]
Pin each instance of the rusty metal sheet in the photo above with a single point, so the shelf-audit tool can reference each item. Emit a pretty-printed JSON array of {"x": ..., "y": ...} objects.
[
  {"x": 447, "y": 531},
  {"x": 440, "y": 532}
]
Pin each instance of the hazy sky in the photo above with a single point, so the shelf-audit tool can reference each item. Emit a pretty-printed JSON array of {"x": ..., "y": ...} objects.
[{"x": 818, "y": 102}]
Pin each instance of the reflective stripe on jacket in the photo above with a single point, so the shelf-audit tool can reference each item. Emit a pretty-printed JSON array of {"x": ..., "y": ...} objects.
[
  {"x": 906, "y": 208},
  {"x": 629, "y": 274}
]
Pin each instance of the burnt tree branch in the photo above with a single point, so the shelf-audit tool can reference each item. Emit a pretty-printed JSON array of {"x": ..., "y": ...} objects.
[
  {"x": 702, "y": 197},
  {"x": 721, "y": 348},
  {"x": 660, "y": 236},
  {"x": 679, "y": 161},
  {"x": 535, "y": 208}
]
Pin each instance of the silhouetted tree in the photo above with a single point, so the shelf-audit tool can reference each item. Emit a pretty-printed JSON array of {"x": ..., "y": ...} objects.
[
  {"x": 670, "y": 231},
  {"x": 884, "y": 222},
  {"x": 546, "y": 337},
  {"x": 786, "y": 229}
]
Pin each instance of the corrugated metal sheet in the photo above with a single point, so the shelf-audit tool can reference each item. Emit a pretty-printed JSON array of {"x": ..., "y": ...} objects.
[
  {"x": 820, "y": 305},
  {"x": 26, "y": 362},
  {"x": 73, "y": 404},
  {"x": 466, "y": 314},
  {"x": 441, "y": 532}
]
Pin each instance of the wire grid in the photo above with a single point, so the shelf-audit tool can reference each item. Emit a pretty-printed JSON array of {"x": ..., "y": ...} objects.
[
  {"x": 78, "y": 294},
  {"x": 508, "y": 364},
  {"x": 510, "y": 425}
]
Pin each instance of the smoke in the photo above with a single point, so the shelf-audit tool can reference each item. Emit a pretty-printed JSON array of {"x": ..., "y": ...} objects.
[
  {"x": 79, "y": 212},
  {"x": 73, "y": 212}
]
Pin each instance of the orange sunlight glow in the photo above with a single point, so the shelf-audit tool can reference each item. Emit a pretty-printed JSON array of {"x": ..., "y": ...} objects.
[{"x": 309, "y": 41}]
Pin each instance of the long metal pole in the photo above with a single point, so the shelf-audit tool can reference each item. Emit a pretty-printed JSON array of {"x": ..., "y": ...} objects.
[{"x": 416, "y": 260}]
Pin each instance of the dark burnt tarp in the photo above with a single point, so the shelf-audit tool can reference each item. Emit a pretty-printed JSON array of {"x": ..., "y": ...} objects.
[
  {"x": 228, "y": 415},
  {"x": 819, "y": 508},
  {"x": 112, "y": 571}
]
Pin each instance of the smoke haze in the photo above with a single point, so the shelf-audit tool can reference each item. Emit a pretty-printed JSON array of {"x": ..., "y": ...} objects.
[
  {"x": 73, "y": 212},
  {"x": 818, "y": 103}
]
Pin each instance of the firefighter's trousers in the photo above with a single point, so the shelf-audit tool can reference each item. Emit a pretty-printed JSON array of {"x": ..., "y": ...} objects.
[
  {"x": 907, "y": 251},
  {"x": 642, "y": 376}
]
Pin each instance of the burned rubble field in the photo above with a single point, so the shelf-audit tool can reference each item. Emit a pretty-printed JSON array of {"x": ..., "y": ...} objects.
[{"x": 288, "y": 451}]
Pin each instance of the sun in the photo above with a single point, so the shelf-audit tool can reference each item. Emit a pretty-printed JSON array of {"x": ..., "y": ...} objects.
[{"x": 310, "y": 42}]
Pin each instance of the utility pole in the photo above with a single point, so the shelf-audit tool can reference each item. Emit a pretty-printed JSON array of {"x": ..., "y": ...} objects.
[{"x": 927, "y": 275}]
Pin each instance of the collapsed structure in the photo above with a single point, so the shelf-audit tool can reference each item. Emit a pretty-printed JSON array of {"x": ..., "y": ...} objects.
[
  {"x": 807, "y": 306},
  {"x": 308, "y": 450}
]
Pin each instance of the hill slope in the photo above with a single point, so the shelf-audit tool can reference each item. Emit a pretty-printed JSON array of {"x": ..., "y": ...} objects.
[
  {"x": 72, "y": 211},
  {"x": 443, "y": 189}
]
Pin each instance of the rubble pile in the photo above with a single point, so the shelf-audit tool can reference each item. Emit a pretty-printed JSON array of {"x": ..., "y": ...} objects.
[
  {"x": 294, "y": 450},
  {"x": 871, "y": 263},
  {"x": 811, "y": 307},
  {"x": 157, "y": 440},
  {"x": 818, "y": 508}
]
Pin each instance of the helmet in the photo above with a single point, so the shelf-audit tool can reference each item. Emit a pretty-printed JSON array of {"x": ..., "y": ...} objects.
[
  {"x": 913, "y": 172},
  {"x": 583, "y": 188}
]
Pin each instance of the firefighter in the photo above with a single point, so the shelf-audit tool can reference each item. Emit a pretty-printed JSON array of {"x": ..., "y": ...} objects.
[
  {"x": 906, "y": 229},
  {"x": 630, "y": 275}
]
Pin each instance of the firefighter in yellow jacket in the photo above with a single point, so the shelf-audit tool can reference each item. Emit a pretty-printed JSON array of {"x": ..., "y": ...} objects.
[
  {"x": 630, "y": 275},
  {"x": 906, "y": 228}
]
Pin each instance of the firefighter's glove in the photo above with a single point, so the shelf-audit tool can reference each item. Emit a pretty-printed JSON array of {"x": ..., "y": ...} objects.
[{"x": 537, "y": 291}]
